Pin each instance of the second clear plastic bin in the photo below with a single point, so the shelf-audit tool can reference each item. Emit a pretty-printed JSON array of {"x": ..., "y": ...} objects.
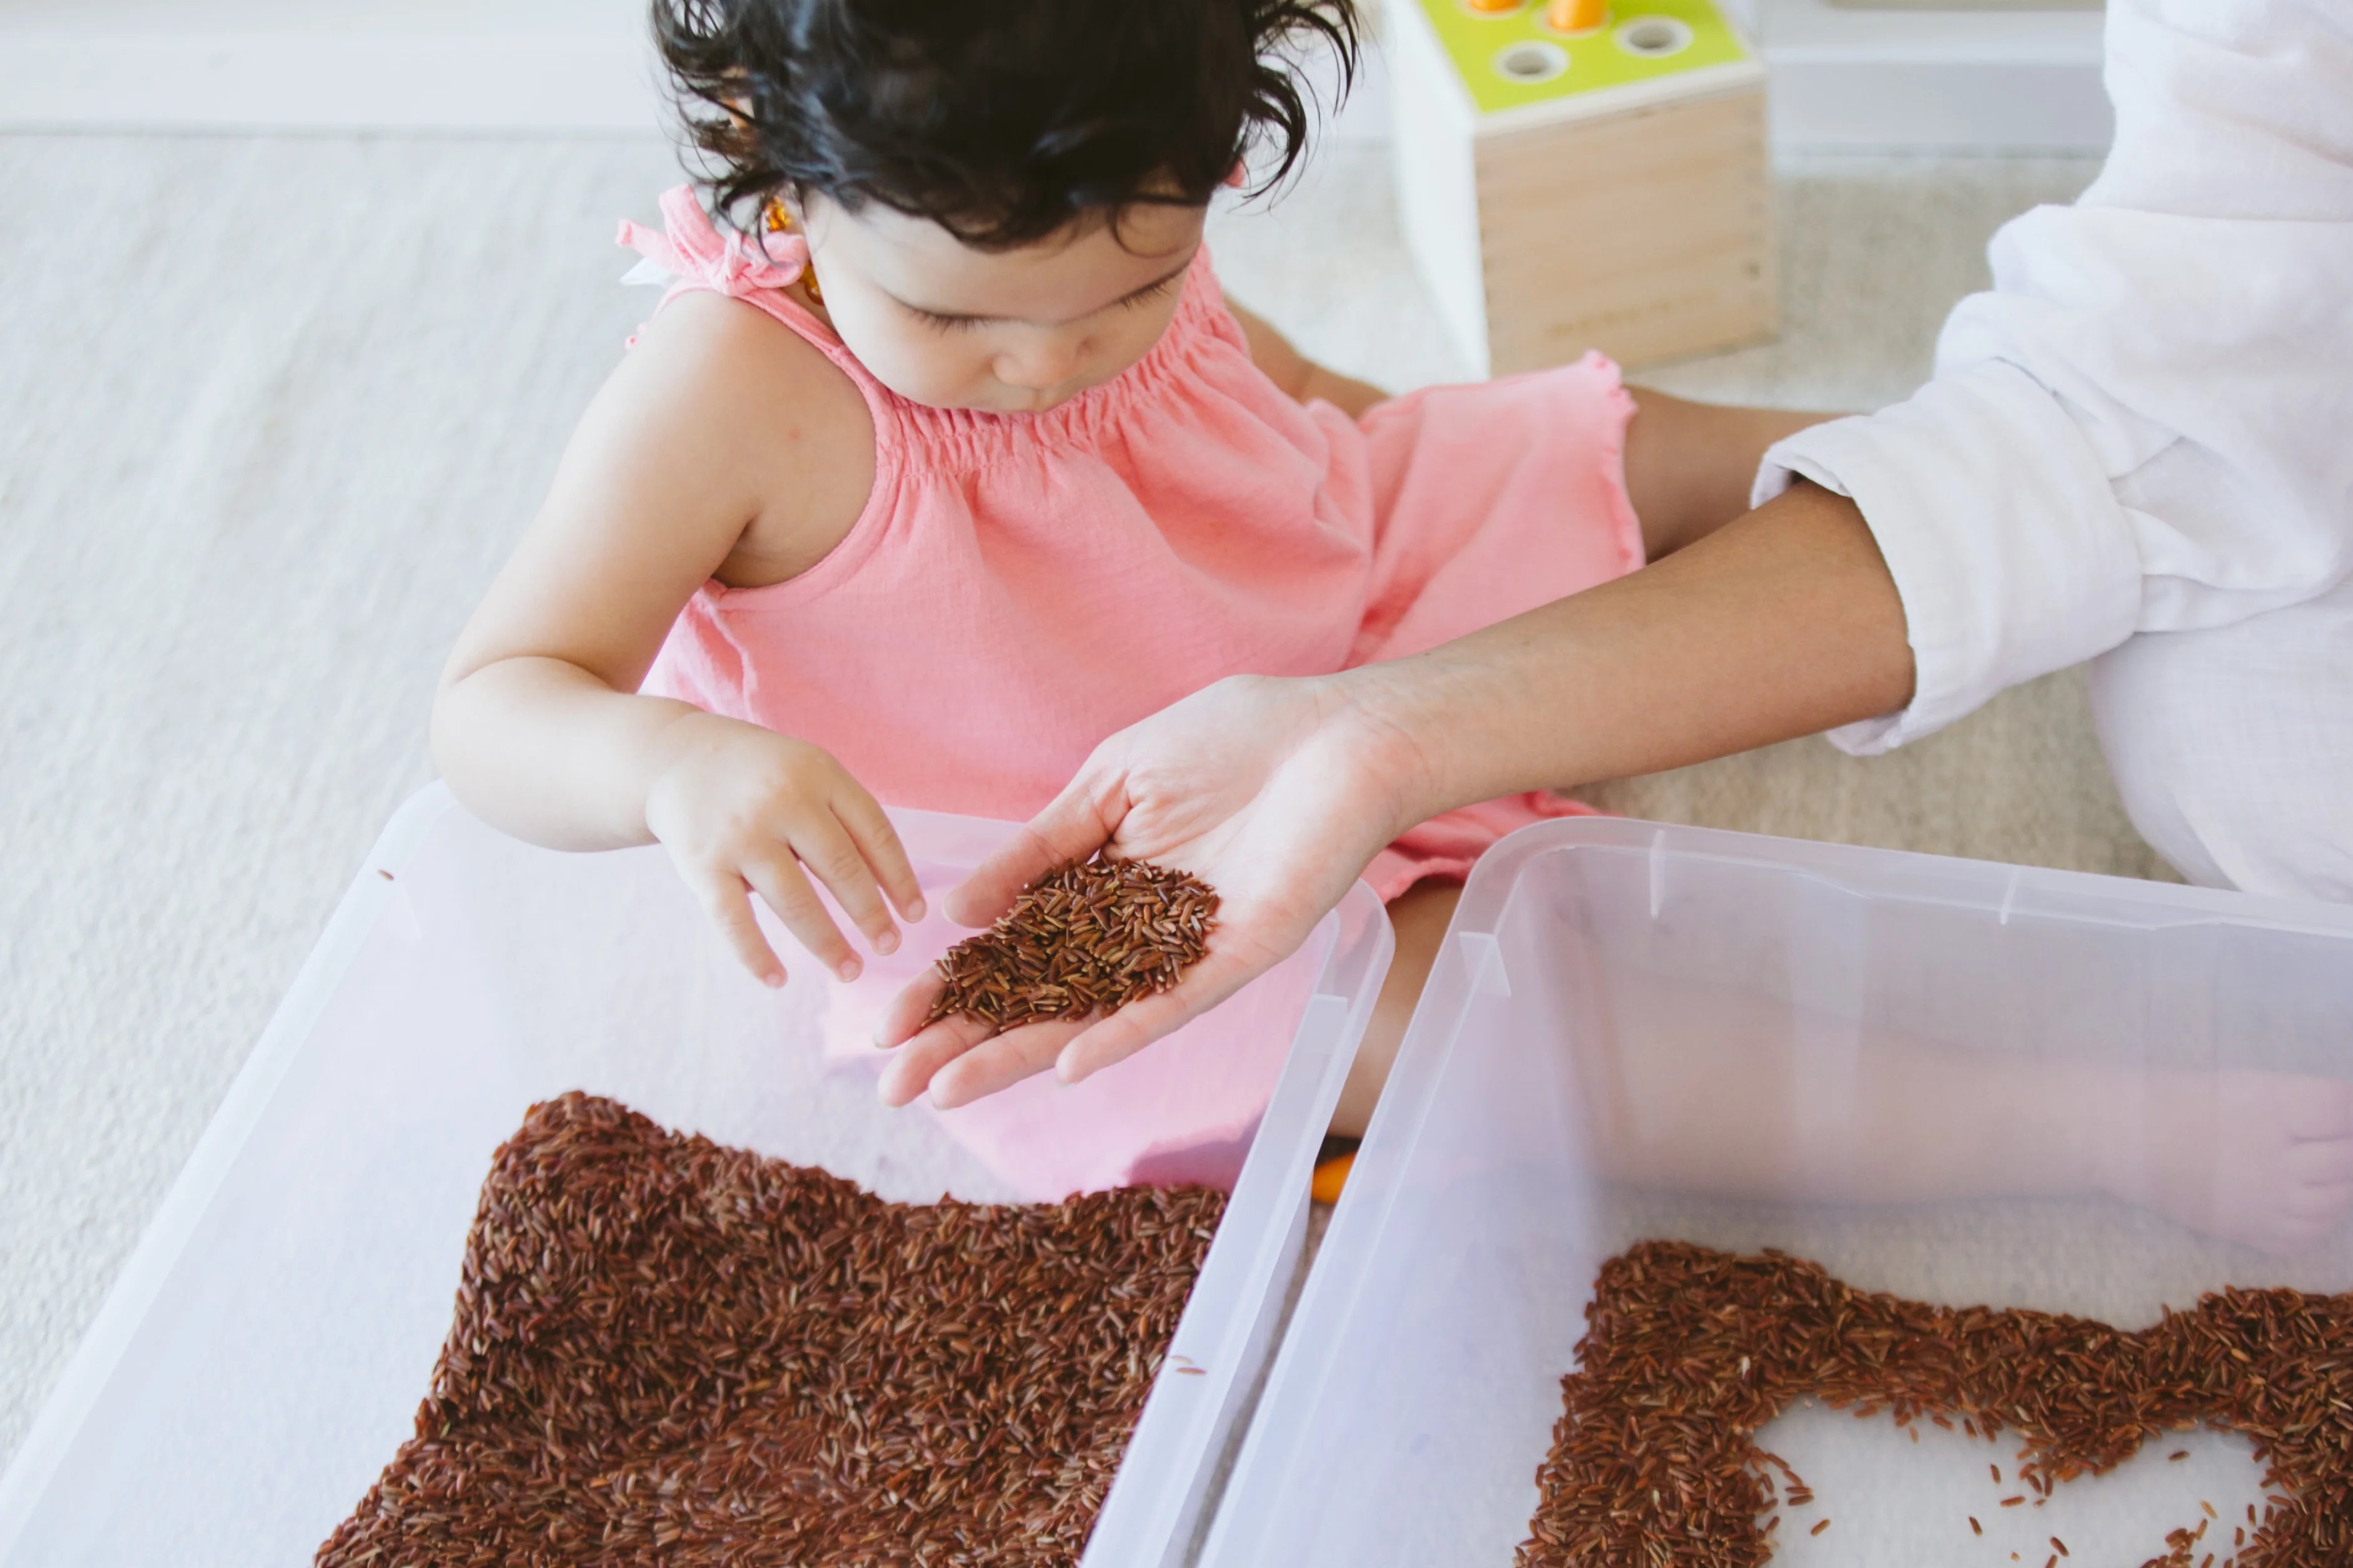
[
  {"x": 263, "y": 1353},
  {"x": 1927, "y": 1075}
]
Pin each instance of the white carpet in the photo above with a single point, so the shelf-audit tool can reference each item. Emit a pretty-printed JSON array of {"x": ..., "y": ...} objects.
[{"x": 270, "y": 412}]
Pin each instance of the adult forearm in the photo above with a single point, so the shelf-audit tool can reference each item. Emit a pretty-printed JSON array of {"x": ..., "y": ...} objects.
[
  {"x": 1783, "y": 622},
  {"x": 543, "y": 750}
]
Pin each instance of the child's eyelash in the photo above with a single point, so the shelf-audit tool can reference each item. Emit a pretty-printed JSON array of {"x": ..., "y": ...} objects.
[
  {"x": 1149, "y": 295},
  {"x": 1145, "y": 295},
  {"x": 940, "y": 324}
]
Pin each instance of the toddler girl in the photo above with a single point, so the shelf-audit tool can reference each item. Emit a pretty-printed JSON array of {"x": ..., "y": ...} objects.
[{"x": 944, "y": 458}]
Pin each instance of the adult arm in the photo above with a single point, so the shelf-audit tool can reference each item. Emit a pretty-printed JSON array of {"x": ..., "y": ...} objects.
[
  {"x": 1278, "y": 792},
  {"x": 2141, "y": 426}
]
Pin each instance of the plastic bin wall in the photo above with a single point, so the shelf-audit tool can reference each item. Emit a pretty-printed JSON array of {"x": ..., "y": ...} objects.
[
  {"x": 1597, "y": 970},
  {"x": 264, "y": 1353}
]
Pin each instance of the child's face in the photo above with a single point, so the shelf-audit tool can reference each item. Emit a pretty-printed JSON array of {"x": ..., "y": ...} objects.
[{"x": 1003, "y": 331}]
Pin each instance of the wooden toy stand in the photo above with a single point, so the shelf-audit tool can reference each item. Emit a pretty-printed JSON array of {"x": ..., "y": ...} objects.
[{"x": 1577, "y": 176}]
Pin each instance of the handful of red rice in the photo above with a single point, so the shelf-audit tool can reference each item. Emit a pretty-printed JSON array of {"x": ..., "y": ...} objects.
[{"x": 1089, "y": 937}]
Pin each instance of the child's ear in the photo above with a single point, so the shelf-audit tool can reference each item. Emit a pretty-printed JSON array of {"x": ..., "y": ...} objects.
[{"x": 1235, "y": 175}]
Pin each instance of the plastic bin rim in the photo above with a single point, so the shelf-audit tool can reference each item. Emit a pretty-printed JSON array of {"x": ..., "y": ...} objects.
[
  {"x": 1498, "y": 872},
  {"x": 165, "y": 1235}
]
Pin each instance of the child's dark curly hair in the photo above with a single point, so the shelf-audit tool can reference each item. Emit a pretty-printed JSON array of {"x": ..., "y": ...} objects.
[{"x": 1002, "y": 119}]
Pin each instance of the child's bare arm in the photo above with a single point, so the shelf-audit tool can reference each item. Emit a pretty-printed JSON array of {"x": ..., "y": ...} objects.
[
  {"x": 1688, "y": 465},
  {"x": 669, "y": 479},
  {"x": 1299, "y": 377}
]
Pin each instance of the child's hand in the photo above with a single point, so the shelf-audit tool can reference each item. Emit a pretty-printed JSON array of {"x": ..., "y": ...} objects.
[{"x": 744, "y": 810}]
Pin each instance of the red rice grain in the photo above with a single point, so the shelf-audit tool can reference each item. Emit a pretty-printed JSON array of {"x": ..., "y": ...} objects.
[
  {"x": 1688, "y": 1352},
  {"x": 670, "y": 1353},
  {"x": 1089, "y": 937}
]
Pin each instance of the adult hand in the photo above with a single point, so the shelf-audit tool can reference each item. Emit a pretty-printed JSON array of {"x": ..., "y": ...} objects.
[{"x": 1276, "y": 792}]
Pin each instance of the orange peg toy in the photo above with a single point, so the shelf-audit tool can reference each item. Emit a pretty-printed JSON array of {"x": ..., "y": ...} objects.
[
  {"x": 1330, "y": 1176},
  {"x": 1608, "y": 191}
]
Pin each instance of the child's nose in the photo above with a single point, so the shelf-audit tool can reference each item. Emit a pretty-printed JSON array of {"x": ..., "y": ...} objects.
[{"x": 1044, "y": 363}]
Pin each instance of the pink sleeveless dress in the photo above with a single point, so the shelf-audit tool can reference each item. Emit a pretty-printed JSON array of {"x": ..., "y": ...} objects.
[{"x": 1020, "y": 586}]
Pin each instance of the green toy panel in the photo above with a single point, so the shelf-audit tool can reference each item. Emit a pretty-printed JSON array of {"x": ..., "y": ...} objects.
[{"x": 1510, "y": 59}]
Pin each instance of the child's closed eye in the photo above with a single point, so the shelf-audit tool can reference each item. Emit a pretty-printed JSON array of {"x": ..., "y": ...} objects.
[
  {"x": 1149, "y": 292},
  {"x": 940, "y": 322}
]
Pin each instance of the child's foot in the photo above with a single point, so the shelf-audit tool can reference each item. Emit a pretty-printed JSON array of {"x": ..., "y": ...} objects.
[{"x": 2261, "y": 1159}]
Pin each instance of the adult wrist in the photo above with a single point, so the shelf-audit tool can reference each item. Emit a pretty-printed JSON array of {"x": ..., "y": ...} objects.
[{"x": 1394, "y": 740}]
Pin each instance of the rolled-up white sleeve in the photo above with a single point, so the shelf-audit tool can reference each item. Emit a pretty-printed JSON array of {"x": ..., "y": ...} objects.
[{"x": 2147, "y": 423}]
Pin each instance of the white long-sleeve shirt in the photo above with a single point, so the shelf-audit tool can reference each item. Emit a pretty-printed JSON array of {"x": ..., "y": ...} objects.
[{"x": 2147, "y": 423}]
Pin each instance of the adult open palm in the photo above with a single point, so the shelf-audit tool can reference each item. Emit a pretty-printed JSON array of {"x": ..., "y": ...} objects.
[{"x": 1275, "y": 792}]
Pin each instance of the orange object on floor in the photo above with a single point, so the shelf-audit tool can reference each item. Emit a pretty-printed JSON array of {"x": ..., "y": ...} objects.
[
  {"x": 1576, "y": 15},
  {"x": 1330, "y": 1176}
]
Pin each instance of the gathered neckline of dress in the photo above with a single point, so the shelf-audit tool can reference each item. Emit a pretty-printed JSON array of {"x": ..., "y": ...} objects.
[{"x": 965, "y": 439}]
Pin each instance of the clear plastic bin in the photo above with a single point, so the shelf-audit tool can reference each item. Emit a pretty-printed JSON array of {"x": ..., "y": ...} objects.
[
  {"x": 1596, "y": 971},
  {"x": 264, "y": 1351}
]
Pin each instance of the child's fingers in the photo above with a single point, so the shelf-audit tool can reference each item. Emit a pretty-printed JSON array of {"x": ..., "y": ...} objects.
[
  {"x": 779, "y": 880},
  {"x": 878, "y": 841},
  {"x": 910, "y": 1073},
  {"x": 831, "y": 856},
  {"x": 727, "y": 900},
  {"x": 904, "y": 1017},
  {"x": 1001, "y": 1061}
]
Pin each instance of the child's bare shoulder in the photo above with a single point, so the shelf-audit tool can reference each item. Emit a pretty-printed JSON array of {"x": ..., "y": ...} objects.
[{"x": 731, "y": 399}]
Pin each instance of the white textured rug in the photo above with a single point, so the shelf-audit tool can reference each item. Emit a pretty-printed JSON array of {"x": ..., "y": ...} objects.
[{"x": 270, "y": 412}]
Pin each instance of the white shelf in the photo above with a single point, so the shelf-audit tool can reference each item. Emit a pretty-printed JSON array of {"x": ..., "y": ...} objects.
[
  {"x": 1843, "y": 79},
  {"x": 1901, "y": 80}
]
